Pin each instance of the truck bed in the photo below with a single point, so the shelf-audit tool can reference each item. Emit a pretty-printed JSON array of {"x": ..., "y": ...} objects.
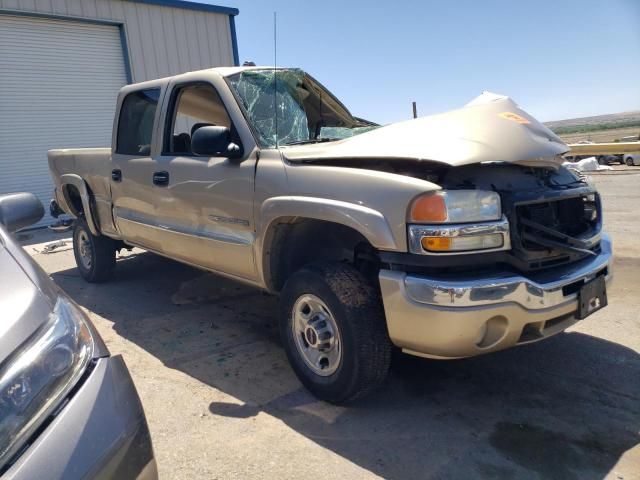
[{"x": 93, "y": 166}]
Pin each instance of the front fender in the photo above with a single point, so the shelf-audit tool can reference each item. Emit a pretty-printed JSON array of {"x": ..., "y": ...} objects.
[
  {"x": 67, "y": 206},
  {"x": 370, "y": 223}
]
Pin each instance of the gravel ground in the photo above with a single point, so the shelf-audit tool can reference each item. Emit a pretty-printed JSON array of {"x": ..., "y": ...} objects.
[{"x": 222, "y": 402}]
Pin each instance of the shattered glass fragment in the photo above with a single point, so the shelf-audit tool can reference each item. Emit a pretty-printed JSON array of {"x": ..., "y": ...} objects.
[{"x": 305, "y": 110}]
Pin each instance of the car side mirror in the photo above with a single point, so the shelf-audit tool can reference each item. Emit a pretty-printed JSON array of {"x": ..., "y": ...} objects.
[
  {"x": 214, "y": 141},
  {"x": 19, "y": 210}
]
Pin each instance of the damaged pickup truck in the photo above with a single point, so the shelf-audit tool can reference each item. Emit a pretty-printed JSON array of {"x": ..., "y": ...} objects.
[{"x": 447, "y": 236}]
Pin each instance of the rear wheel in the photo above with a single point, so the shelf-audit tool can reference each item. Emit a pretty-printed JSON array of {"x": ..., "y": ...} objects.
[
  {"x": 334, "y": 332},
  {"x": 95, "y": 255},
  {"x": 629, "y": 161}
]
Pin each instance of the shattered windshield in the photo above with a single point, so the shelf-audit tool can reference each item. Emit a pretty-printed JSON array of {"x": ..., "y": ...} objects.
[{"x": 306, "y": 111}]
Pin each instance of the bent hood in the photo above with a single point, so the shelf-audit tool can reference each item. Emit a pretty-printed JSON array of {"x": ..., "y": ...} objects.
[{"x": 491, "y": 128}]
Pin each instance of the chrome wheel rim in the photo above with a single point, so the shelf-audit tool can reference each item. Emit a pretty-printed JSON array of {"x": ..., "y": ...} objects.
[
  {"x": 316, "y": 335},
  {"x": 85, "y": 250}
]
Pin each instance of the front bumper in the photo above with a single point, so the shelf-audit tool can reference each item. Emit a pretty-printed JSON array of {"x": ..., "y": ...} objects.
[
  {"x": 447, "y": 317},
  {"x": 101, "y": 433}
]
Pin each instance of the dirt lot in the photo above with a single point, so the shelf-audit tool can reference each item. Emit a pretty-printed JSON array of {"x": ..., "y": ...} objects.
[{"x": 222, "y": 402}]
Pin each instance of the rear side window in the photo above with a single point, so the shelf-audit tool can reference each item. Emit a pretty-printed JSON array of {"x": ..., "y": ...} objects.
[{"x": 135, "y": 125}]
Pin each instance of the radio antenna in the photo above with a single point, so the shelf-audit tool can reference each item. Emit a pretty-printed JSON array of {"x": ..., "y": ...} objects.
[{"x": 275, "y": 72}]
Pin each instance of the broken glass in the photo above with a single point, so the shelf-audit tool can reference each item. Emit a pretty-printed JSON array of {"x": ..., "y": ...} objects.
[{"x": 287, "y": 106}]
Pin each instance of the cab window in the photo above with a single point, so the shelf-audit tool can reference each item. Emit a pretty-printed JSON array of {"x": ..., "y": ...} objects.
[
  {"x": 193, "y": 107},
  {"x": 135, "y": 125}
]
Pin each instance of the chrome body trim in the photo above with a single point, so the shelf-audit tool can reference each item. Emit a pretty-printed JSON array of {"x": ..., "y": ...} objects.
[
  {"x": 538, "y": 291},
  {"x": 180, "y": 230},
  {"x": 416, "y": 232}
]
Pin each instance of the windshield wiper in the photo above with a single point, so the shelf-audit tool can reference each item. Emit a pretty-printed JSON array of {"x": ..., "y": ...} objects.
[{"x": 310, "y": 140}]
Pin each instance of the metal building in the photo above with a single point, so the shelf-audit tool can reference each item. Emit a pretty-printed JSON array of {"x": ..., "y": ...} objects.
[{"x": 62, "y": 63}]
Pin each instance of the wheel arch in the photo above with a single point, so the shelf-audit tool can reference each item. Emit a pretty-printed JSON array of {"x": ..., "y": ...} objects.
[
  {"x": 77, "y": 198},
  {"x": 324, "y": 227}
]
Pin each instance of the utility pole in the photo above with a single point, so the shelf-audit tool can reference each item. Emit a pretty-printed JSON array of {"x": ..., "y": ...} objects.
[{"x": 415, "y": 110}]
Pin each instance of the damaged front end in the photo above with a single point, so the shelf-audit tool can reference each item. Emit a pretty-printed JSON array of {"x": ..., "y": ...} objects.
[
  {"x": 557, "y": 230},
  {"x": 550, "y": 271},
  {"x": 552, "y": 218},
  {"x": 555, "y": 217}
]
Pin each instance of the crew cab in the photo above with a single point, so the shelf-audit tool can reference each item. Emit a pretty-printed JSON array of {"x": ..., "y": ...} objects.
[{"x": 446, "y": 236}]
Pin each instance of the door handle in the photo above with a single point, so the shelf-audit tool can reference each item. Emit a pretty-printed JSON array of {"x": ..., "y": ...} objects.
[
  {"x": 116, "y": 175},
  {"x": 161, "y": 178}
]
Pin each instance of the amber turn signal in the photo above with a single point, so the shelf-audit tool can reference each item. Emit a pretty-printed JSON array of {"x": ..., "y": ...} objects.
[
  {"x": 436, "y": 244},
  {"x": 429, "y": 208},
  {"x": 462, "y": 243}
]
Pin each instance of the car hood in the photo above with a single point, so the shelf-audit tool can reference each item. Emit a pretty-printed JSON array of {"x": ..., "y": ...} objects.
[{"x": 491, "y": 128}]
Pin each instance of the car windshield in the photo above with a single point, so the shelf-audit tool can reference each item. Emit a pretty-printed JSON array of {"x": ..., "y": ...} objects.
[{"x": 306, "y": 111}]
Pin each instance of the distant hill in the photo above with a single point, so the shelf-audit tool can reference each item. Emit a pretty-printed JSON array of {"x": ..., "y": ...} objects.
[{"x": 596, "y": 123}]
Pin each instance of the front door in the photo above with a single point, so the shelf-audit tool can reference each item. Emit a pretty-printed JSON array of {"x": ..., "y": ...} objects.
[{"x": 207, "y": 212}]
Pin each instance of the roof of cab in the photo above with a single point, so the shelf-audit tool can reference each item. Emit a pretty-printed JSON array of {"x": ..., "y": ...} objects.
[{"x": 222, "y": 71}]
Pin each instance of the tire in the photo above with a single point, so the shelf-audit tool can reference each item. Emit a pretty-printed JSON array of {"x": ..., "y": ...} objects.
[
  {"x": 95, "y": 255},
  {"x": 629, "y": 161},
  {"x": 356, "y": 325}
]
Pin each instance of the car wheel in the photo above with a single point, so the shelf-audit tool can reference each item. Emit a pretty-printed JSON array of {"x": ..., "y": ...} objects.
[
  {"x": 95, "y": 255},
  {"x": 629, "y": 161},
  {"x": 334, "y": 332}
]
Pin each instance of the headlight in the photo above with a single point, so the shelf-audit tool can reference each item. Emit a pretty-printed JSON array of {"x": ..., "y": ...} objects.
[
  {"x": 459, "y": 238},
  {"x": 456, "y": 206},
  {"x": 457, "y": 221},
  {"x": 37, "y": 377}
]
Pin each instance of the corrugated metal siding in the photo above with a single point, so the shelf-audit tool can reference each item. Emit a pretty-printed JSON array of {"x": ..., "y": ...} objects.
[
  {"x": 59, "y": 78},
  {"x": 163, "y": 41},
  {"x": 58, "y": 87}
]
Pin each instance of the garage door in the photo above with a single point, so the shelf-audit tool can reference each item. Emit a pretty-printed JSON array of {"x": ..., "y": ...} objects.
[{"x": 58, "y": 85}]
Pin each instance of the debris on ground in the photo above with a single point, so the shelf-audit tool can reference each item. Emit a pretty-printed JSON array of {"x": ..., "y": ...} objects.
[
  {"x": 589, "y": 164},
  {"x": 52, "y": 247}
]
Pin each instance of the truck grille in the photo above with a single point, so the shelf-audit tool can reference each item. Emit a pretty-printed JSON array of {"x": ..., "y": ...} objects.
[{"x": 556, "y": 232}]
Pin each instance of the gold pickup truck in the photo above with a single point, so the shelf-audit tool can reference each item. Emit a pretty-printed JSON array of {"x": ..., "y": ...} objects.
[{"x": 447, "y": 236}]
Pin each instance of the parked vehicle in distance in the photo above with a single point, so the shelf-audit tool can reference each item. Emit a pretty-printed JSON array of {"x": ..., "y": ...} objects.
[
  {"x": 631, "y": 159},
  {"x": 67, "y": 408},
  {"x": 447, "y": 236}
]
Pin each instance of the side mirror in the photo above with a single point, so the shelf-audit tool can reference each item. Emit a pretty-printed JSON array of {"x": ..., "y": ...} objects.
[
  {"x": 214, "y": 141},
  {"x": 19, "y": 210}
]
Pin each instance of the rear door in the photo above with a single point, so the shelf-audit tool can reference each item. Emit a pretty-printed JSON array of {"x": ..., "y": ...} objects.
[
  {"x": 134, "y": 196},
  {"x": 208, "y": 207}
]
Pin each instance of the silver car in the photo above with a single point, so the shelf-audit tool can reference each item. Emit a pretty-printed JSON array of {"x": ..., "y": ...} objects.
[{"x": 68, "y": 409}]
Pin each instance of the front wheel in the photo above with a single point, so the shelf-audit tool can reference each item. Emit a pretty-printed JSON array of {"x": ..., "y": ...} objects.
[
  {"x": 334, "y": 332},
  {"x": 629, "y": 161},
  {"x": 95, "y": 255}
]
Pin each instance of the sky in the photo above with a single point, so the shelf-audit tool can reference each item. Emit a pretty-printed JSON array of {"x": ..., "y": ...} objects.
[{"x": 557, "y": 59}]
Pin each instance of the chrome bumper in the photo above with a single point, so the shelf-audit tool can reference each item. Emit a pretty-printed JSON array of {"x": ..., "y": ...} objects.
[
  {"x": 536, "y": 292},
  {"x": 447, "y": 317}
]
